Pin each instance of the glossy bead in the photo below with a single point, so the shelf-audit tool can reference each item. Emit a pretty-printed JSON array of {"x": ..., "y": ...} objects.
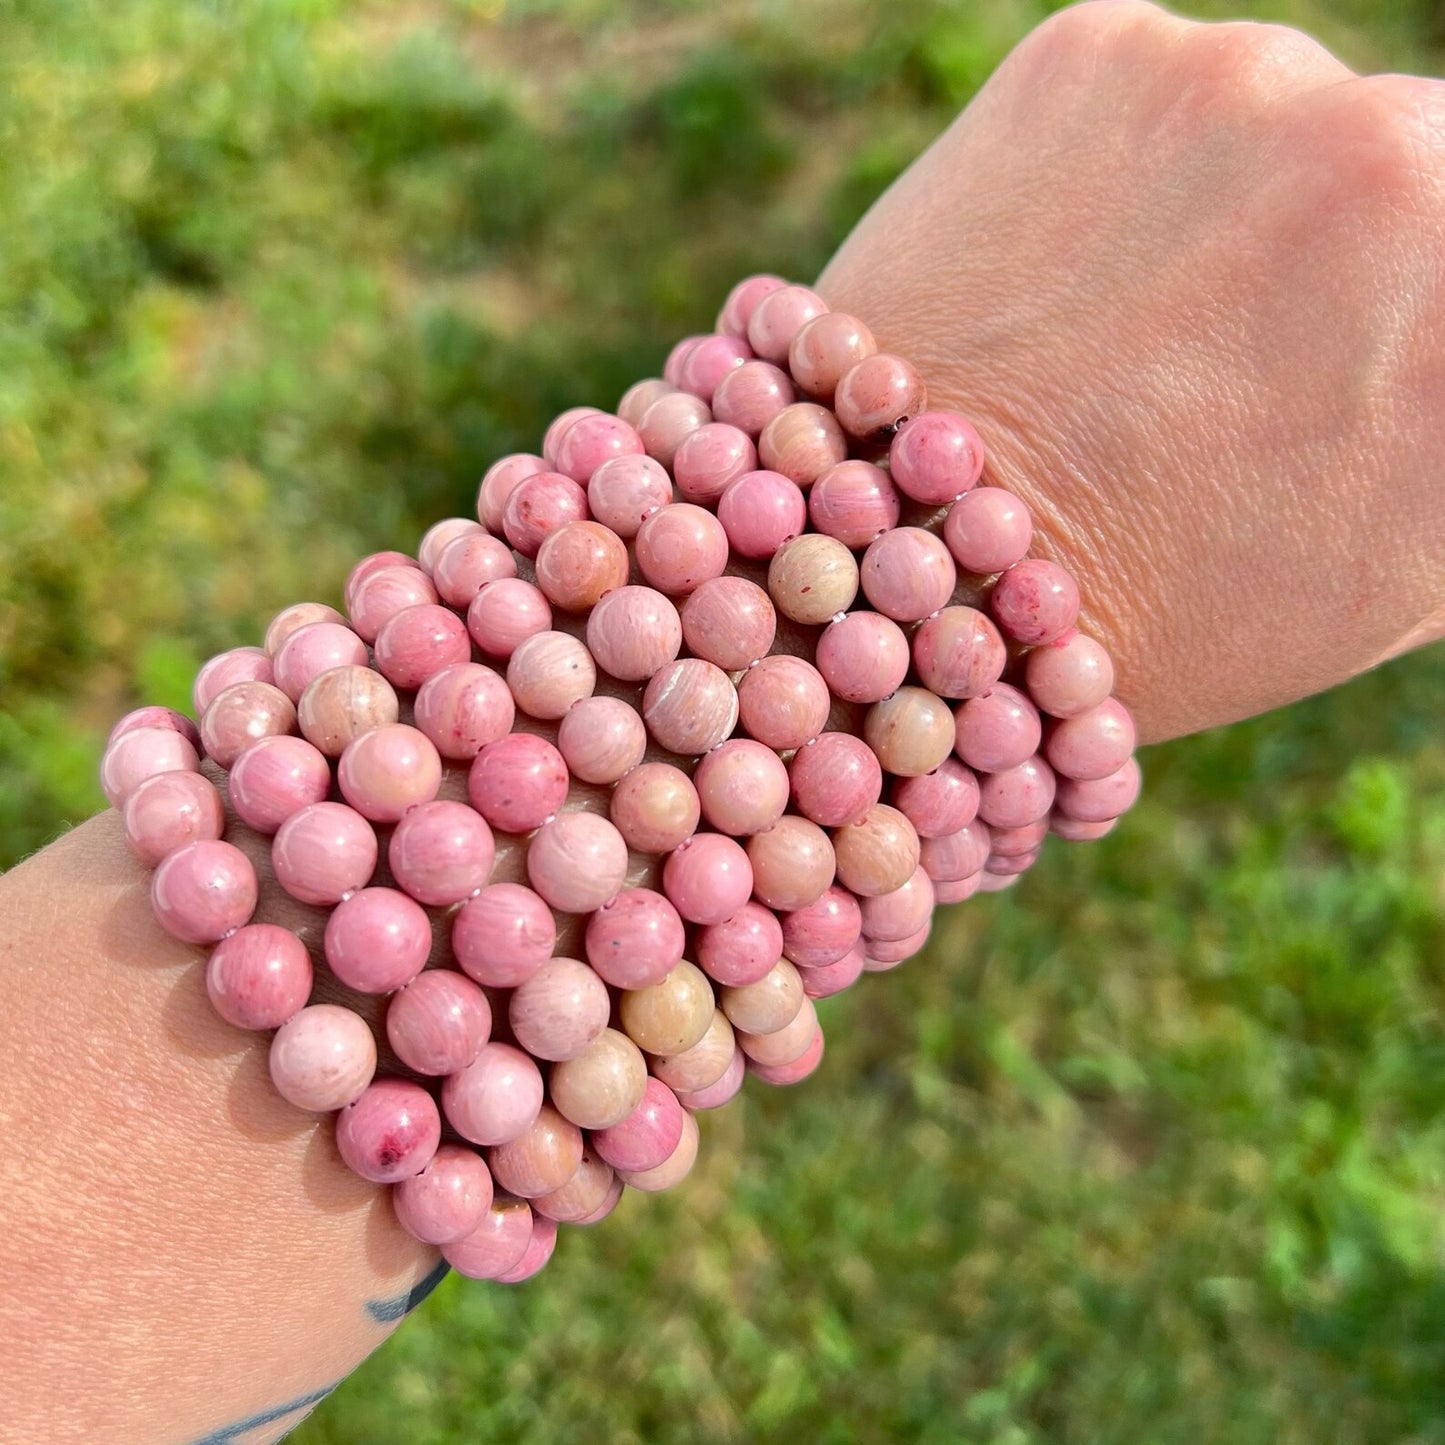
[
  {"x": 324, "y": 852},
  {"x": 602, "y": 1085},
  {"x": 792, "y": 863},
  {"x": 671, "y": 1015},
  {"x": 543, "y": 1157},
  {"x": 1076, "y": 831},
  {"x": 538, "y": 1253},
  {"x": 494, "y": 1098},
  {"x": 876, "y": 396},
  {"x": 498, "y": 1244},
  {"x": 742, "y": 948},
  {"x": 834, "y": 978},
  {"x": 340, "y": 705},
  {"x": 988, "y": 530},
  {"x": 1015, "y": 796},
  {"x": 293, "y": 619},
  {"x": 499, "y": 482},
  {"x": 582, "y": 1195},
  {"x": 895, "y": 915},
  {"x": 633, "y": 632},
  {"x": 823, "y": 931},
  {"x": 541, "y": 504},
  {"x": 680, "y": 547},
  {"x": 751, "y": 395},
  {"x": 760, "y": 511},
  {"x": 390, "y": 1132},
  {"x": 722, "y": 1090},
  {"x": 1035, "y": 601},
  {"x": 956, "y": 855},
  {"x": 669, "y": 421},
  {"x": 226, "y": 669},
  {"x": 708, "y": 361},
  {"x": 560, "y": 1010},
  {"x": 203, "y": 891},
  {"x": 878, "y": 854},
  {"x": 729, "y": 621},
  {"x": 825, "y": 348},
  {"x": 1096, "y": 800},
  {"x": 743, "y": 787},
  {"x": 801, "y": 442},
  {"x": 438, "y": 1022},
  {"x": 577, "y": 861},
  {"x": 996, "y": 730},
  {"x": 777, "y": 318},
  {"x": 503, "y": 935},
  {"x": 436, "y": 537},
  {"x": 549, "y": 672},
  {"x": 704, "y": 1063},
  {"x": 623, "y": 493},
  {"x": 956, "y": 890},
  {"x": 785, "y": 1045},
  {"x": 322, "y": 1058},
  {"x": 259, "y": 976},
  {"x": 767, "y": 1005},
  {"x": 366, "y": 567},
  {"x": 614, "y": 1194},
  {"x": 462, "y": 708},
  {"x": 601, "y": 738},
  {"x": 911, "y": 732},
  {"x": 168, "y": 810},
  {"x": 383, "y": 593},
  {"x": 446, "y": 1201},
  {"x": 711, "y": 459},
  {"x": 388, "y": 770},
  {"x": 707, "y": 877},
  {"x": 940, "y": 802},
  {"x": 690, "y": 706},
  {"x": 813, "y": 578},
  {"x": 635, "y": 939},
  {"x": 835, "y": 779},
  {"x": 559, "y": 426},
  {"x": 655, "y": 808},
  {"x": 673, "y": 1170},
  {"x": 783, "y": 702},
  {"x": 579, "y": 562},
  {"x": 505, "y": 613},
  {"x": 592, "y": 440},
  {"x": 1069, "y": 675},
  {"x": 240, "y": 715},
  {"x": 418, "y": 642},
  {"x": 908, "y": 573},
  {"x": 311, "y": 650},
  {"x": 854, "y": 502},
  {"x": 1012, "y": 842},
  {"x": 639, "y": 396},
  {"x": 377, "y": 940},
  {"x": 441, "y": 852},
  {"x": 648, "y": 1135},
  {"x": 1092, "y": 744},
  {"x": 274, "y": 778},
  {"x": 958, "y": 653},
  {"x": 863, "y": 657},
  {"x": 936, "y": 457},
  {"x": 742, "y": 300},
  {"x": 166, "y": 718}
]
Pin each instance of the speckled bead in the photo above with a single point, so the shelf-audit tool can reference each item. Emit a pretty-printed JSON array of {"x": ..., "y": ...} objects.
[
  {"x": 340, "y": 705},
  {"x": 494, "y": 1098},
  {"x": 1016, "y": 796},
  {"x": 293, "y": 619},
  {"x": 988, "y": 530},
  {"x": 438, "y": 1022},
  {"x": 1094, "y": 743},
  {"x": 704, "y": 1063},
  {"x": 741, "y": 302},
  {"x": 635, "y": 939},
  {"x": 623, "y": 493},
  {"x": 549, "y": 672},
  {"x": 497, "y": 1245},
  {"x": 877, "y": 395},
  {"x": 259, "y": 976},
  {"x": 742, "y": 948},
  {"x": 505, "y": 613},
  {"x": 673, "y": 1170},
  {"x": 579, "y": 562},
  {"x": 711, "y": 459},
  {"x": 241, "y": 714},
  {"x": 669, "y": 421},
  {"x": 383, "y": 593},
  {"x": 324, "y": 852},
  {"x": 783, "y": 702},
  {"x": 655, "y": 808},
  {"x": 1035, "y": 601},
  {"x": 466, "y": 564},
  {"x": 462, "y": 708},
  {"x": 826, "y": 347},
  {"x": 802, "y": 442},
  {"x": 743, "y": 787},
  {"x": 390, "y": 1132},
  {"x": 690, "y": 706},
  {"x": 1097, "y": 800},
  {"x": 322, "y": 1058},
  {"x": 670, "y": 1016},
  {"x": 377, "y": 940},
  {"x": 168, "y": 810},
  {"x": 863, "y": 657},
  {"x": 388, "y": 770},
  {"x": 824, "y": 931},
  {"x": 602, "y": 1085},
  {"x": 504, "y": 935},
  {"x": 854, "y": 502},
  {"x": 577, "y": 861},
  {"x": 499, "y": 482},
  {"x": 907, "y": 574},
  {"x": 142, "y": 753},
  {"x": 680, "y": 547},
  {"x": 560, "y": 1010},
  {"x": 911, "y": 732},
  {"x": 1069, "y": 675},
  {"x": 447, "y": 1200},
  {"x": 729, "y": 621},
  {"x": 436, "y": 537},
  {"x": 996, "y": 730},
  {"x": 441, "y": 852},
  {"x": 792, "y": 863},
  {"x": 936, "y": 457},
  {"x": 203, "y": 891},
  {"x": 648, "y": 1135},
  {"x": 958, "y": 653},
  {"x": 877, "y": 854},
  {"x": 707, "y": 877},
  {"x": 812, "y": 579},
  {"x": 601, "y": 738},
  {"x": 940, "y": 802},
  {"x": 751, "y": 395},
  {"x": 543, "y": 1157},
  {"x": 956, "y": 855},
  {"x": 226, "y": 669},
  {"x": 518, "y": 782},
  {"x": 835, "y": 779},
  {"x": 274, "y": 778},
  {"x": 760, "y": 511},
  {"x": 767, "y": 1005},
  {"x": 540, "y": 504},
  {"x": 311, "y": 650},
  {"x": 633, "y": 633}
]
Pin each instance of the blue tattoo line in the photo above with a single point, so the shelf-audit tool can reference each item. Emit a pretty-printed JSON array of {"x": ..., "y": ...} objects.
[
  {"x": 388, "y": 1311},
  {"x": 228, "y": 1433}
]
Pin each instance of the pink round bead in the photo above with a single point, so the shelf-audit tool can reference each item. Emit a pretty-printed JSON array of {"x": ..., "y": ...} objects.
[
  {"x": 312, "y": 650},
  {"x": 940, "y": 802},
  {"x": 293, "y": 619},
  {"x": 324, "y": 852},
  {"x": 366, "y": 567},
  {"x": 751, "y": 395},
  {"x": 711, "y": 459},
  {"x": 793, "y": 1072},
  {"x": 690, "y": 706},
  {"x": 592, "y": 440},
  {"x": 538, "y": 1253},
  {"x": 259, "y": 976},
  {"x": 802, "y": 442},
  {"x": 1016, "y": 796},
  {"x": 448, "y": 1199},
  {"x": 142, "y": 753},
  {"x": 577, "y": 861},
  {"x": 549, "y": 672},
  {"x": 274, "y": 778},
  {"x": 503, "y": 935},
  {"x": 438, "y": 1022},
  {"x": 825, "y": 348},
  {"x": 988, "y": 530},
  {"x": 741, "y": 302},
  {"x": 783, "y": 702},
  {"x": 1097, "y": 800},
  {"x": 203, "y": 891},
  {"x": 743, "y": 787},
  {"x": 956, "y": 855},
  {"x": 997, "y": 730},
  {"x": 163, "y": 717},
  {"x": 436, "y": 537},
  {"x": 462, "y": 708},
  {"x": 936, "y": 457},
  {"x": 957, "y": 889},
  {"x": 647, "y": 1136},
  {"x": 559, "y": 426},
  {"x": 383, "y": 593},
  {"x": 708, "y": 878},
  {"x": 959, "y": 653},
  {"x": 742, "y": 949},
  {"x": 518, "y": 782},
  {"x": 538, "y": 505},
  {"x": 497, "y": 1245},
  {"x": 854, "y": 502},
  {"x": 635, "y": 939},
  {"x": 226, "y": 669},
  {"x": 875, "y": 397},
  {"x": 377, "y": 940},
  {"x": 760, "y": 511},
  {"x": 1069, "y": 675},
  {"x": 240, "y": 715},
  {"x": 441, "y": 852},
  {"x": 499, "y": 482},
  {"x": 720, "y": 1092},
  {"x": 824, "y": 931},
  {"x": 168, "y": 810},
  {"x": 907, "y": 573},
  {"x": 834, "y": 978},
  {"x": 655, "y": 808},
  {"x": 669, "y": 421},
  {"x": 505, "y": 613},
  {"x": 835, "y": 779},
  {"x": 419, "y": 642},
  {"x": 1075, "y": 831},
  {"x": 624, "y": 492},
  {"x": 793, "y": 863},
  {"x": 863, "y": 657},
  {"x": 672, "y": 367},
  {"x": 466, "y": 564},
  {"x": 729, "y": 621},
  {"x": 602, "y": 738},
  {"x": 388, "y": 770},
  {"x": 496, "y": 1097},
  {"x": 322, "y": 1058},
  {"x": 893, "y": 916},
  {"x": 778, "y": 317},
  {"x": 1012, "y": 842},
  {"x": 707, "y": 361},
  {"x": 639, "y": 396},
  {"x": 680, "y": 547},
  {"x": 579, "y": 563},
  {"x": 1092, "y": 744},
  {"x": 633, "y": 632},
  {"x": 560, "y": 1011},
  {"x": 880, "y": 956},
  {"x": 1035, "y": 601},
  {"x": 389, "y": 1132}
]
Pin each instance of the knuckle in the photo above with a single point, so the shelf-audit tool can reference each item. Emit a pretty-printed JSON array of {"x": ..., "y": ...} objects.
[
  {"x": 1248, "y": 63},
  {"x": 1385, "y": 135},
  {"x": 1084, "y": 33}
]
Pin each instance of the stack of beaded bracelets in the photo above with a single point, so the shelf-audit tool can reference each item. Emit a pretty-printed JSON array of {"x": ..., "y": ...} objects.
[{"x": 802, "y": 878}]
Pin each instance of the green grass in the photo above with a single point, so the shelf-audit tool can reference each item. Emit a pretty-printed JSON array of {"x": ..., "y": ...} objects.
[{"x": 1148, "y": 1150}]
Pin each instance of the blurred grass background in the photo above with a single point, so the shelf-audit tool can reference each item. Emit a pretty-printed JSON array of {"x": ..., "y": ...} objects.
[{"x": 1150, "y": 1149}]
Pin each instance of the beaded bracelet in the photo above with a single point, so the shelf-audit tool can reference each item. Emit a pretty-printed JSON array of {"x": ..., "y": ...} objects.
[{"x": 780, "y": 873}]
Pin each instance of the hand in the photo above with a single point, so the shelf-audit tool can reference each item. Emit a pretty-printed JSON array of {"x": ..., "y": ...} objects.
[{"x": 1189, "y": 282}]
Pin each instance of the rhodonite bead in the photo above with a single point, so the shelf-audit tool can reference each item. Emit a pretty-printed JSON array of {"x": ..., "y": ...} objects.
[
  {"x": 877, "y": 854},
  {"x": 157, "y": 717},
  {"x": 241, "y": 714},
  {"x": 467, "y": 563},
  {"x": 709, "y": 460},
  {"x": 540, "y": 504},
  {"x": 311, "y": 650},
  {"x": 446, "y": 1201},
  {"x": 259, "y": 976},
  {"x": 226, "y": 669},
  {"x": 958, "y": 653},
  {"x": 438, "y": 1022},
  {"x": 203, "y": 891},
  {"x": 729, "y": 621},
  {"x": 1076, "y": 831},
  {"x": 690, "y": 706},
  {"x": 743, "y": 787},
  {"x": 880, "y": 955},
  {"x": 505, "y": 613},
  {"x": 889, "y": 917},
  {"x": 497, "y": 1245},
  {"x": 680, "y": 547},
  {"x": 602, "y": 1085},
  {"x": 503, "y": 935},
  {"x": 420, "y": 642},
  {"x": 673, "y": 1170},
  {"x": 704, "y": 1063},
  {"x": 956, "y": 855},
  {"x": 390, "y": 1132},
  {"x": 366, "y": 567},
  {"x": 669, "y": 1016},
  {"x": 751, "y": 395},
  {"x": 648, "y": 1135},
  {"x": 140, "y": 754},
  {"x": 538, "y": 1253},
  {"x": 911, "y": 732},
  {"x": 388, "y": 770},
  {"x": 835, "y": 779},
  {"x": 560, "y": 1010},
  {"x": 708, "y": 878},
  {"x": 997, "y": 729},
  {"x": 559, "y": 426},
  {"x": 833, "y": 978},
  {"x": 988, "y": 530},
  {"x": 294, "y": 618},
  {"x": 1092, "y": 744},
  {"x": 1096, "y": 800},
  {"x": 778, "y": 317},
  {"x": 342, "y": 704},
  {"x": 785, "y": 1045},
  {"x": 322, "y": 1058},
  {"x": 722, "y": 1090},
  {"x": 633, "y": 633},
  {"x": 592, "y": 440},
  {"x": 462, "y": 708},
  {"x": 767, "y": 1005},
  {"x": 672, "y": 367},
  {"x": 494, "y": 1098},
  {"x": 792, "y": 863},
  {"x": 634, "y": 939},
  {"x": 863, "y": 657},
  {"x": 577, "y": 563},
  {"x": 760, "y": 511},
  {"x": 940, "y": 802},
  {"x": 583, "y": 1194},
  {"x": 377, "y": 940},
  {"x": 549, "y": 672},
  {"x": 783, "y": 702},
  {"x": 1069, "y": 675},
  {"x": 742, "y": 300},
  {"x": 615, "y": 1192},
  {"x": 1035, "y": 601},
  {"x": 601, "y": 738},
  {"x": 935, "y": 457},
  {"x": 543, "y": 1157},
  {"x": 877, "y": 395},
  {"x": 742, "y": 948},
  {"x": 802, "y": 441},
  {"x": 623, "y": 493},
  {"x": 655, "y": 808},
  {"x": 708, "y": 360},
  {"x": 577, "y": 861},
  {"x": 1016, "y": 796},
  {"x": 825, "y": 348},
  {"x": 436, "y": 537},
  {"x": 813, "y": 578},
  {"x": 168, "y": 810},
  {"x": 274, "y": 778},
  {"x": 956, "y": 890},
  {"x": 324, "y": 852},
  {"x": 907, "y": 573},
  {"x": 382, "y": 594},
  {"x": 854, "y": 502},
  {"x": 639, "y": 396},
  {"x": 669, "y": 421},
  {"x": 441, "y": 852},
  {"x": 824, "y": 931},
  {"x": 499, "y": 482}
]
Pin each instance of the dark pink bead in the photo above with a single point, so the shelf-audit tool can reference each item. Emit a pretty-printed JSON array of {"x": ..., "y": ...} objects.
[
  {"x": 438, "y": 1022},
  {"x": 419, "y": 642},
  {"x": 259, "y": 976},
  {"x": 518, "y": 782},
  {"x": 988, "y": 530},
  {"x": 824, "y": 931},
  {"x": 710, "y": 459},
  {"x": 635, "y": 940},
  {"x": 708, "y": 878},
  {"x": 647, "y": 1136},
  {"x": 958, "y": 653},
  {"x": 158, "y": 717},
  {"x": 497, "y": 1245},
  {"x": 835, "y": 779},
  {"x": 503, "y": 935},
  {"x": 707, "y": 361},
  {"x": 907, "y": 573},
  {"x": 447, "y": 1200},
  {"x": 835, "y": 977},
  {"x": 383, "y": 593},
  {"x": 540, "y": 504},
  {"x": 274, "y": 778},
  {"x": 751, "y": 395},
  {"x": 377, "y": 940},
  {"x": 496, "y": 1097},
  {"x": 168, "y": 810},
  {"x": 312, "y": 650},
  {"x": 592, "y": 440},
  {"x": 441, "y": 852},
  {"x": 854, "y": 502},
  {"x": 741, "y": 949},
  {"x": 462, "y": 708},
  {"x": 500, "y": 481},
  {"x": 391, "y": 1132},
  {"x": 863, "y": 657},
  {"x": 1035, "y": 601},
  {"x": 742, "y": 301},
  {"x": 1016, "y": 796},
  {"x": 226, "y": 669},
  {"x": 324, "y": 852},
  {"x": 1096, "y": 800},
  {"x": 623, "y": 493},
  {"x": 997, "y": 730},
  {"x": 203, "y": 891},
  {"x": 936, "y": 457},
  {"x": 730, "y": 622},
  {"x": 505, "y": 613},
  {"x": 957, "y": 855},
  {"x": 940, "y": 802},
  {"x": 1092, "y": 744},
  {"x": 760, "y": 511}
]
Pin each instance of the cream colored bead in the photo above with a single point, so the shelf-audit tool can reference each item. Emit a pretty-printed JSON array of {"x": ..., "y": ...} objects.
[
  {"x": 767, "y": 1005},
  {"x": 603, "y": 1085},
  {"x": 813, "y": 578},
  {"x": 704, "y": 1063},
  {"x": 671, "y": 1016},
  {"x": 877, "y": 854},
  {"x": 911, "y": 732}
]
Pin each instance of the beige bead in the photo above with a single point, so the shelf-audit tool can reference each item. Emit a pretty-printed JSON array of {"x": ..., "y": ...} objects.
[
  {"x": 813, "y": 578},
  {"x": 767, "y": 1005},
  {"x": 580, "y": 561},
  {"x": 548, "y": 672},
  {"x": 640, "y": 395},
  {"x": 539, "y": 1160},
  {"x": 671, "y": 1016},
  {"x": 655, "y": 807},
  {"x": 802, "y": 442},
  {"x": 602, "y": 1085},
  {"x": 704, "y": 1063},
  {"x": 876, "y": 854},
  {"x": 784, "y": 1045},
  {"x": 343, "y": 703},
  {"x": 911, "y": 732},
  {"x": 293, "y": 618},
  {"x": 583, "y": 1194},
  {"x": 793, "y": 863},
  {"x": 674, "y": 1169},
  {"x": 243, "y": 714}
]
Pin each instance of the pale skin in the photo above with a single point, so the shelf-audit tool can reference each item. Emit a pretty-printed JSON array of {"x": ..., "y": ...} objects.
[{"x": 1187, "y": 280}]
